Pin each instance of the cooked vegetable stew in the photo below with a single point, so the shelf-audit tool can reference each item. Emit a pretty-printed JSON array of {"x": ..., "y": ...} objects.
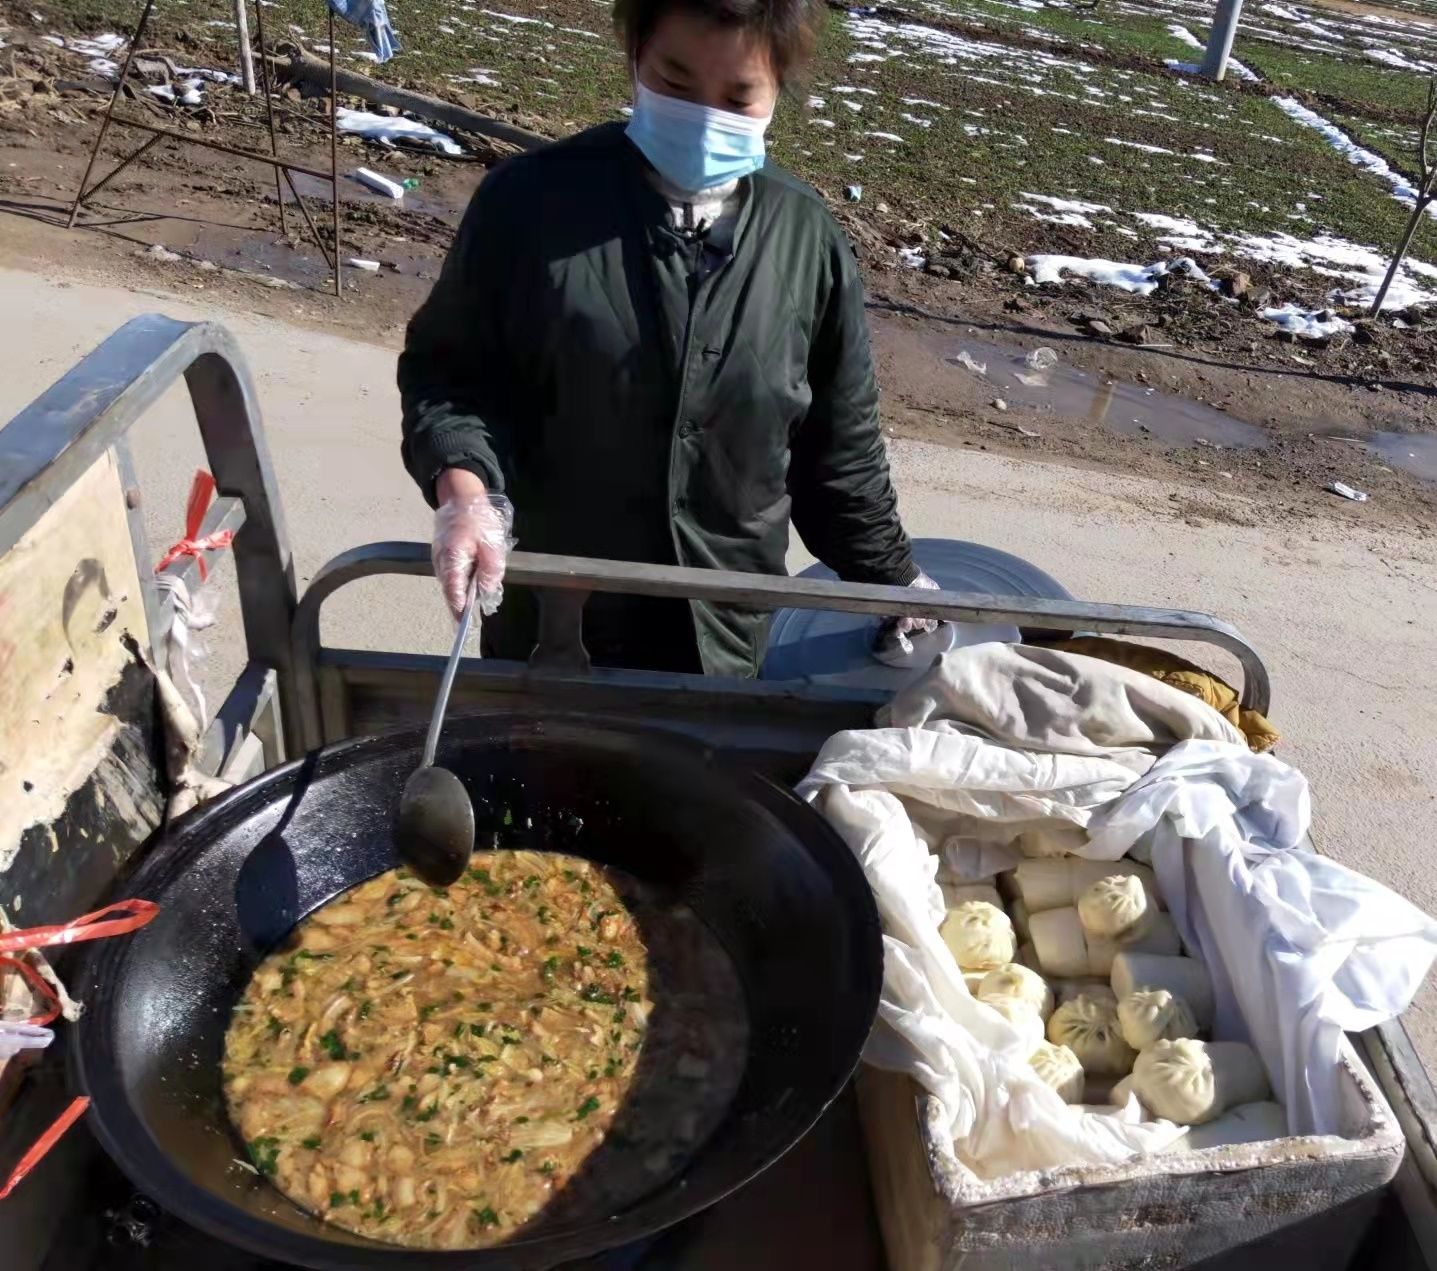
[{"x": 546, "y": 1040}]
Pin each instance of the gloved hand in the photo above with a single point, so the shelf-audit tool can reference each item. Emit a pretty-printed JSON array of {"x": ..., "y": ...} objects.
[
  {"x": 894, "y": 635},
  {"x": 472, "y": 538}
]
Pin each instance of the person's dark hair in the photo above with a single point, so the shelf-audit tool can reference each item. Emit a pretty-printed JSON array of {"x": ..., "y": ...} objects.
[{"x": 789, "y": 27}]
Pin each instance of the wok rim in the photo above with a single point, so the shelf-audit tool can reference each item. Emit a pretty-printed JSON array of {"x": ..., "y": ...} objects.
[{"x": 122, "y": 1132}]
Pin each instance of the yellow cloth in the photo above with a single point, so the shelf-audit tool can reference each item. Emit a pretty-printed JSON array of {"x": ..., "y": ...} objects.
[{"x": 1179, "y": 673}]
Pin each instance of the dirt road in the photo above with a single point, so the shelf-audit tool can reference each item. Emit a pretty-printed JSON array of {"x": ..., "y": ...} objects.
[{"x": 1343, "y": 609}]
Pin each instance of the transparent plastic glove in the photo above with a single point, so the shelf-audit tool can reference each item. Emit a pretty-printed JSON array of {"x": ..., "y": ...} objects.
[
  {"x": 472, "y": 538},
  {"x": 894, "y": 635}
]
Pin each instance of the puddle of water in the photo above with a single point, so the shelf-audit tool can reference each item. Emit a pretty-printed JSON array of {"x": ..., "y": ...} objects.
[
  {"x": 258, "y": 253},
  {"x": 1135, "y": 410},
  {"x": 1411, "y": 452},
  {"x": 1125, "y": 408}
]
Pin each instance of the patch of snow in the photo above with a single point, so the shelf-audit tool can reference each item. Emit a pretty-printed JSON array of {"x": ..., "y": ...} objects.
[
  {"x": 1313, "y": 323},
  {"x": 1137, "y": 145},
  {"x": 1172, "y": 224},
  {"x": 390, "y": 129},
  {"x": 915, "y": 119},
  {"x": 1141, "y": 279},
  {"x": 1390, "y": 57},
  {"x": 1402, "y": 189},
  {"x": 821, "y": 123},
  {"x": 1056, "y": 211},
  {"x": 885, "y": 136},
  {"x": 854, "y": 106},
  {"x": 923, "y": 101},
  {"x": 913, "y": 257},
  {"x": 816, "y": 103},
  {"x": 1180, "y": 32},
  {"x": 516, "y": 19}
]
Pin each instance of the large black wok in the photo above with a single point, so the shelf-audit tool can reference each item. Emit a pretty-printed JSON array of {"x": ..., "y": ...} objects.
[{"x": 765, "y": 873}]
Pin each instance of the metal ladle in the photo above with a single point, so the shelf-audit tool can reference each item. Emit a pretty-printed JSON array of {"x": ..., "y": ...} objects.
[{"x": 434, "y": 831}]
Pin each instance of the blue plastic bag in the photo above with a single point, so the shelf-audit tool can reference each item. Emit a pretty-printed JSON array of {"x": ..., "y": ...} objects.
[{"x": 372, "y": 17}]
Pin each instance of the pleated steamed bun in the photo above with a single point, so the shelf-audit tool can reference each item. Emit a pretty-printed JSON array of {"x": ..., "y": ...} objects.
[
  {"x": 1154, "y": 1015},
  {"x": 1190, "y": 1082},
  {"x": 1059, "y": 1068},
  {"x": 1088, "y": 1026},
  {"x": 1016, "y": 980},
  {"x": 1116, "y": 907},
  {"x": 979, "y": 935}
]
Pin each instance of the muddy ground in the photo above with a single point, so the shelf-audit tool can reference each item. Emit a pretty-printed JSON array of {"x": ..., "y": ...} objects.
[{"x": 1186, "y": 384}]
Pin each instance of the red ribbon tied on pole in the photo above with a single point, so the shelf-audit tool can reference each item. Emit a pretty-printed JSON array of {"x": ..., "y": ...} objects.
[
  {"x": 202, "y": 493},
  {"x": 113, "y": 920}
]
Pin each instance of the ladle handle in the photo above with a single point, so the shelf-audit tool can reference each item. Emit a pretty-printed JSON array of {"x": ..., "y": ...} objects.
[{"x": 441, "y": 703}]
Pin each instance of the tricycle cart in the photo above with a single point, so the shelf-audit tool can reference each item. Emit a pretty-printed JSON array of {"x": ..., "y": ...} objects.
[{"x": 75, "y": 568}]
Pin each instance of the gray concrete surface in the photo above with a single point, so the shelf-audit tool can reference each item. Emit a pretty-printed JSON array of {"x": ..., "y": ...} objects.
[{"x": 1345, "y": 615}]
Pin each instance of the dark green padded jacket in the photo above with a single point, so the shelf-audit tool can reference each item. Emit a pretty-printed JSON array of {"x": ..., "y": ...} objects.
[{"x": 641, "y": 395}]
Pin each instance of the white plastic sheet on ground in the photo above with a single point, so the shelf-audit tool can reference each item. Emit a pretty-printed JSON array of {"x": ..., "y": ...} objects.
[{"x": 1006, "y": 745}]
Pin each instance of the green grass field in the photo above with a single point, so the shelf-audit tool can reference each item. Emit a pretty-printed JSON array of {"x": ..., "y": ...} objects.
[{"x": 964, "y": 121}]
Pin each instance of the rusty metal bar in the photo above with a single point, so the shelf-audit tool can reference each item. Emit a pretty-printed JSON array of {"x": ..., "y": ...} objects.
[
  {"x": 304, "y": 212},
  {"x": 191, "y": 139},
  {"x": 110, "y": 110},
  {"x": 87, "y": 195},
  {"x": 334, "y": 151},
  {"x": 269, "y": 115}
]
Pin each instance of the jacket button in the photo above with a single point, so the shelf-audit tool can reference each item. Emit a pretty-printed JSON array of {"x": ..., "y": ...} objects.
[{"x": 688, "y": 428}]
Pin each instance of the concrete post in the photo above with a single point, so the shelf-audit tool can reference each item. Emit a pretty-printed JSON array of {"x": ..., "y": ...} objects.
[{"x": 1219, "y": 43}]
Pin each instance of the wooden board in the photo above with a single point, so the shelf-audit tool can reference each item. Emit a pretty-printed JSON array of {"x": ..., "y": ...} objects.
[
  {"x": 79, "y": 783},
  {"x": 69, "y": 601}
]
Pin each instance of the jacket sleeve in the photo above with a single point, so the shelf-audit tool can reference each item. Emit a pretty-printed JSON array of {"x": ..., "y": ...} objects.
[
  {"x": 844, "y": 505},
  {"x": 452, "y": 397}
]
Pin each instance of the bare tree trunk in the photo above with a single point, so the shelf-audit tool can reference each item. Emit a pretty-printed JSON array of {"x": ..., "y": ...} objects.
[
  {"x": 308, "y": 68},
  {"x": 1425, "y": 194},
  {"x": 1400, "y": 255}
]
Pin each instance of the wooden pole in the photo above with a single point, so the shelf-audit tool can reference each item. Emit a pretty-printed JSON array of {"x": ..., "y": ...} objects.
[{"x": 246, "y": 54}]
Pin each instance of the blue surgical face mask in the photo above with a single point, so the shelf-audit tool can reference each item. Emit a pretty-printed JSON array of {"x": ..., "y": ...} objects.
[{"x": 695, "y": 147}]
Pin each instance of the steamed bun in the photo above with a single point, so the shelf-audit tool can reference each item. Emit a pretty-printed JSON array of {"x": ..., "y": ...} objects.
[
  {"x": 1190, "y": 1082},
  {"x": 1088, "y": 1026},
  {"x": 1153, "y": 1015},
  {"x": 1059, "y": 1068},
  {"x": 1116, "y": 907},
  {"x": 1015, "y": 980},
  {"x": 979, "y": 935}
]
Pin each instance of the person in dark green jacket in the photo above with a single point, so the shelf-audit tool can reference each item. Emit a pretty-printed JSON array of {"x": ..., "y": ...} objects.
[{"x": 652, "y": 343}]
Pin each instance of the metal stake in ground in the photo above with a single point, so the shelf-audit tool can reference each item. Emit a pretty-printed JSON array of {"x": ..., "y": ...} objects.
[
  {"x": 1219, "y": 42},
  {"x": 269, "y": 112},
  {"x": 334, "y": 151},
  {"x": 110, "y": 109}
]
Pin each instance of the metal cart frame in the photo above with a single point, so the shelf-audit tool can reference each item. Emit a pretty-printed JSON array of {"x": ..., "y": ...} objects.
[{"x": 295, "y": 693}]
